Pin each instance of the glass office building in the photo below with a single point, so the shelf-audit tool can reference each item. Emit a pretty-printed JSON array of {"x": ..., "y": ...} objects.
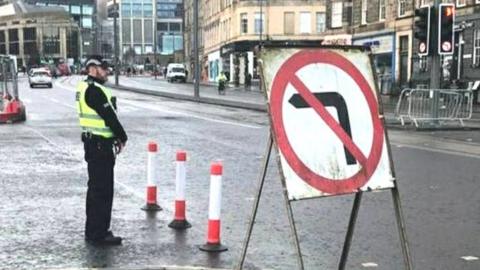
[
  {"x": 137, "y": 24},
  {"x": 83, "y": 12},
  {"x": 169, "y": 26}
]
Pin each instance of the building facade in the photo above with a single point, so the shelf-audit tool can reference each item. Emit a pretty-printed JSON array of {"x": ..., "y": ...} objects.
[
  {"x": 188, "y": 36},
  {"x": 37, "y": 35},
  {"x": 150, "y": 29},
  {"x": 84, "y": 14}
]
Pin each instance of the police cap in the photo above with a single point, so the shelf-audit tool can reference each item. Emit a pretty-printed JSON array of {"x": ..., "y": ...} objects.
[{"x": 96, "y": 60}]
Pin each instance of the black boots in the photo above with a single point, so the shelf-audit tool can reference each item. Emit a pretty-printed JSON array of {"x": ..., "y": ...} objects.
[{"x": 108, "y": 240}]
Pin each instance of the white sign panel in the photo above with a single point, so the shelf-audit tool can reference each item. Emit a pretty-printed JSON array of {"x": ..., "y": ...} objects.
[{"x": 325, "y": 120}]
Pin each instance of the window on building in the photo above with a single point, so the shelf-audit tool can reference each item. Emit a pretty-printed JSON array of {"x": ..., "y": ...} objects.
[
  {"x": 175, "y": 27},
  {"x": 381, "y": 10},
  {"x": 305, "y": 23},
  {"x": 244, "y": 23},
  {"x": 162, "y": 26},
  {"x": 364, "y": 11},
  {"x": 51, "y": 40},
  {"x": 337, "y": 13},
  {"x": 321, "y": 22},
  {"x": 126, "y": 10},
  {"x": 137, "y": 31},
  {"x": 148, "y": 49},
  {"x": 30, "y": 41},
  {"x": 148, "y": 31},
  {"x": 402, "y": 7},
  {"x": 126, "y": 31},
  {"x": 289, "y": 23},
  {"x": 461, "y": 3},
  {"x": 72, "y": 43},
  {"x": 87, "y": 10},
  {"x": 13, "y": 44},
  {"x": 137, "y": 10},
  {"x": 476, "y": 47},
  {"x": 87, "y": 22},
  {"x": 147, "y": 10},
  {"x": 66, "y": 7},
  {"x": 75, "y": 9},
  {"x": 3, "y": 47},
  {"x": 137, "y": 49},
  {"x": 259, "y": 22}
]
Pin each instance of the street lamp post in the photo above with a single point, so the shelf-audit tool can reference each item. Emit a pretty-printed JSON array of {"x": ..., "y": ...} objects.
[
  {"x": 195, "y": 50},
  {"x": 115, "y": 40}
]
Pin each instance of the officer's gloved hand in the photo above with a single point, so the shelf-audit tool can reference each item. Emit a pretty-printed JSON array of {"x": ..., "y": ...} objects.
[{"x": 119, "y": 146}]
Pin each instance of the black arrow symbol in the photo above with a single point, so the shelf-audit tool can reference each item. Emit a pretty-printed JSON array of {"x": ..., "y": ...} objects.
[{"x": 330, "y": 99}]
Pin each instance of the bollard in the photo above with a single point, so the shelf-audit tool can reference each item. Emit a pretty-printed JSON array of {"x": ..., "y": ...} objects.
[
  {"x": 180, "y": 221},
  {"x": 151, "y": 204},
  {"x": 213, "y": 239}
]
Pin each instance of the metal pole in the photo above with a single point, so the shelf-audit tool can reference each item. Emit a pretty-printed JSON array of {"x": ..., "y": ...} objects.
[
  {"x": 351, "y": 229},
  {"x": 195, "y": 50},
  {"x": 266, "y": 160},
  {"x": 435, "y": 71},
  {"x": 115, "y": 40},
  {"x": 155, "y": 43}
]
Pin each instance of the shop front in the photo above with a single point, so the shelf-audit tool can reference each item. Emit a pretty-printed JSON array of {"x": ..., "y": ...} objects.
[{"x": 383, "y": 51}]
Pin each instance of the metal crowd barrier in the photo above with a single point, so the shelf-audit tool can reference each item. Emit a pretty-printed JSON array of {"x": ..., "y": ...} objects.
[{"x": 420, "y": 106}]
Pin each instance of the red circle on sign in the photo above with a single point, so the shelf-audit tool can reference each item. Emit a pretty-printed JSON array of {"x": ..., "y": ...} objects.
[
  {"x": 447, "y": 46},
  {"x": 282, "y": 78}
]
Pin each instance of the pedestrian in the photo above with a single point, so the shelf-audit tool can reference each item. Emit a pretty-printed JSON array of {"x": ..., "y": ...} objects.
[
  {"x": 248, "y": 81},
  {"x": 104, "y": 138},
  {"x": 222, "y": 80}
]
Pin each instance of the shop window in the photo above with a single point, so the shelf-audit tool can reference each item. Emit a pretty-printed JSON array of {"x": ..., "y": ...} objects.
[
  {"x": 3, "y": 48},
  {"x": 289, "y": 23},
  {"x": 75, "y": 9},
  {"x": 13, "y": 45},
  {"x": 30, "y": 41},
  {"x": 305, "y": 23},
  {"x": 51, "y": 40},
  {"x": 87, "y": 10},
  {"x": 175, "y": 27}
]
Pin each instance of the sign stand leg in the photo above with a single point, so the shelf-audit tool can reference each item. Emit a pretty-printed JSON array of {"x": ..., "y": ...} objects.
[
  {"x": 402, "y": 228},
  {"x": 291, "y": 219},
  {"x": 351, "y": 229},
  {"x": 266, "y": 160}
]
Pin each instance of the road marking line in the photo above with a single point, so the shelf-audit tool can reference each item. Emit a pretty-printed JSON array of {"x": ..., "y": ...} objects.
[
  {"x": 470, "y": 258},
  {"x": 369, "y": 265},
  {"x": 441, "y": 151},
  {"x": 162, "y": 267},
  {"x": 154, "y": 108}
]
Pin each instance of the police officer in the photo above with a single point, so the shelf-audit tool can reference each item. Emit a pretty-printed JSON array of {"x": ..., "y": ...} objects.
[{"x": 103, "y": 137}]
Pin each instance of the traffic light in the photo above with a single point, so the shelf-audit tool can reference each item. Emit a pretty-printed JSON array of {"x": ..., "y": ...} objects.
[
  {"x": 422, "y": 30},
  {"x": 446, "y": 20}
]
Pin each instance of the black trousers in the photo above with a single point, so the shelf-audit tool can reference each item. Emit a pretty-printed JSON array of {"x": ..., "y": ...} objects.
[{"x": 101, "y": 161}]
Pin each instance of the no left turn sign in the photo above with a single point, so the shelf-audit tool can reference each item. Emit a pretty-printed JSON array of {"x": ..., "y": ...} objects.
[{"x": 326, "y": 122}]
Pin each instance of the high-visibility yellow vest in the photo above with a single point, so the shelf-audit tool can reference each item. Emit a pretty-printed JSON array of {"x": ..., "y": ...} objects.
[{"x": 90, "y": 121}]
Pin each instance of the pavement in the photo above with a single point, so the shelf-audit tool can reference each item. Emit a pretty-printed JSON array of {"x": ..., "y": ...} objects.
[
  {"x": 43, "y": 186},
  {"x": 252, "y": 98}
]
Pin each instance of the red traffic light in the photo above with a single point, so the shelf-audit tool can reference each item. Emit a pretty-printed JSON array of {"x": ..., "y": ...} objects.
[{"x": 449, "y": 11}]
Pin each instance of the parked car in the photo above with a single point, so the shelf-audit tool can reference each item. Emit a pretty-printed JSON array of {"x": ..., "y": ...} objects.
[
  {"x": 40, "y": 77},
  {"x": 176, "y": 72}
]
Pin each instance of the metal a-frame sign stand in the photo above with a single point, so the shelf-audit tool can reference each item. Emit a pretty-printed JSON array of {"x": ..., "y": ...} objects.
[{"x": 272, "y": 138}]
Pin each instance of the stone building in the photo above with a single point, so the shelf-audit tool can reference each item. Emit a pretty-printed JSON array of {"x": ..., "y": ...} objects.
[{"x": 34, "y": 34}]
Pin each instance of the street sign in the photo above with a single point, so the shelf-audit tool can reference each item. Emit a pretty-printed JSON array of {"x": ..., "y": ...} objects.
[{"x": 325, "y": 120}]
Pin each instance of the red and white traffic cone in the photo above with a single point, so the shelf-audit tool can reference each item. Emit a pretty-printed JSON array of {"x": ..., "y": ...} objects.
[
  {"x": 180, "y": 221},
  {"x": 213, "y": 239},
  {"x": 151, "y": 204}
]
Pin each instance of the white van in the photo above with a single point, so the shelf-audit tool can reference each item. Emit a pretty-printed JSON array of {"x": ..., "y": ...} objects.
[{"x": 176, "y": 72}]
